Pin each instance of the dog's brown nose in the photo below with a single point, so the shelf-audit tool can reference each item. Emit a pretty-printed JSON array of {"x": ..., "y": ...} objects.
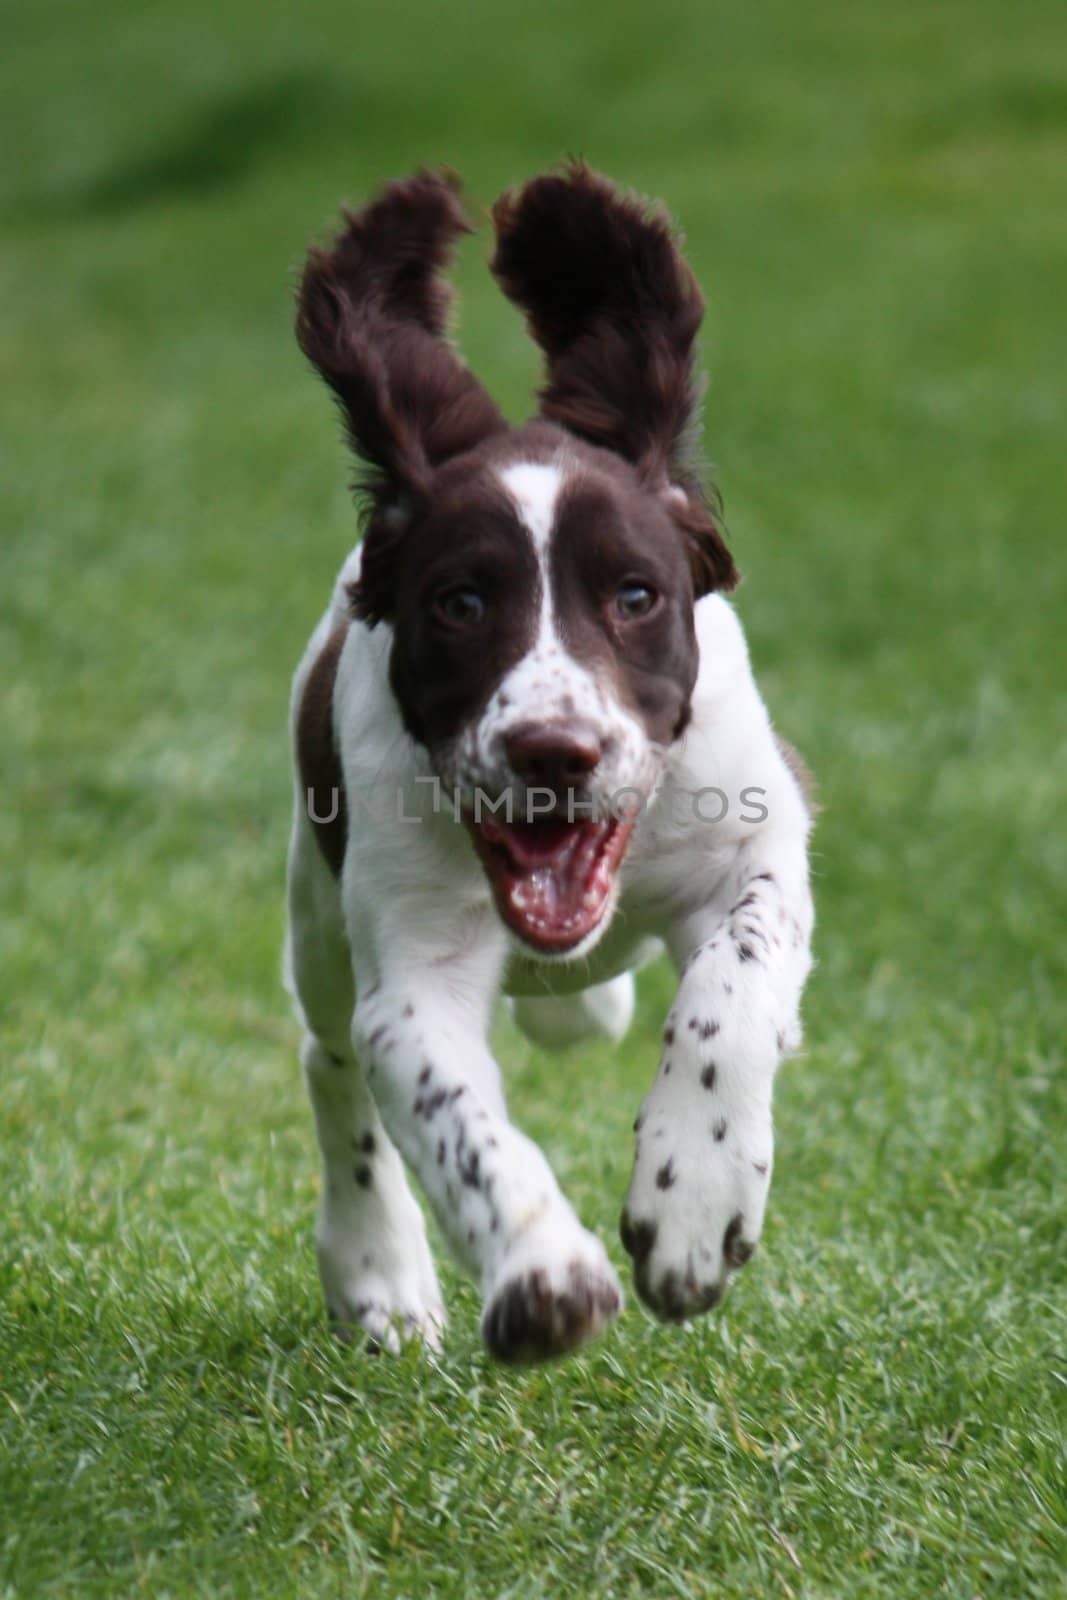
[{"x": 557, "y": 755}]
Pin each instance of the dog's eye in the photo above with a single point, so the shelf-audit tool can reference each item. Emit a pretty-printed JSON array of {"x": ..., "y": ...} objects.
[
  {"x": 462, "y": 606},
  {"x": 634, "y": 599}
]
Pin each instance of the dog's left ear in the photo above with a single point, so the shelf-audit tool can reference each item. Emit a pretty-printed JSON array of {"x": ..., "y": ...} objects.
[{"x": 616, "y": 309}]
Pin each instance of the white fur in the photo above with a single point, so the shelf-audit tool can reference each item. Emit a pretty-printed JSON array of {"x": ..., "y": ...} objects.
[
  {"x": 414, "y": 922},
  {"x": 534, "y": 486}
]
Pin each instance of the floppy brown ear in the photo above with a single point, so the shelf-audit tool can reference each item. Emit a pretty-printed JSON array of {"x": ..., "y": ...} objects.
[
  {"x": 616, "y": 309},
  {"x": 371, "y": 316}
]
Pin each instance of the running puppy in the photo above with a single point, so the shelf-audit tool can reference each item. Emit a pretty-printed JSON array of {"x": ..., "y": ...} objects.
[{"x": 529, "y": 753}]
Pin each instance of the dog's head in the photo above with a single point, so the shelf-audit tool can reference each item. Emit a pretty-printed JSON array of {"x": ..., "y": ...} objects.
[{"x": 539, "y": 581}]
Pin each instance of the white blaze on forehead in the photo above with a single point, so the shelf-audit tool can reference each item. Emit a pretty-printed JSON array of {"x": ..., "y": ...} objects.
[{"x": 534, "y": 486}]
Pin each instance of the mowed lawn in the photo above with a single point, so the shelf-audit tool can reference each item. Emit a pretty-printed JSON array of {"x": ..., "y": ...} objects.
[{"x": 874, "y": 198}]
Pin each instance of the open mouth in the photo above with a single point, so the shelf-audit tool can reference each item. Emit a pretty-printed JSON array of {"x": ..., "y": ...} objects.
[{"x": 552, "y": 879}]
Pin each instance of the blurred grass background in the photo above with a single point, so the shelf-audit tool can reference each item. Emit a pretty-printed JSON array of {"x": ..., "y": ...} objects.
[{"x": 874, "y": 199}]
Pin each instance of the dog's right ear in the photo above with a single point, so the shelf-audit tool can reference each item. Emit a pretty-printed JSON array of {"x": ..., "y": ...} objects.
[{"x": 371, "y": 317}]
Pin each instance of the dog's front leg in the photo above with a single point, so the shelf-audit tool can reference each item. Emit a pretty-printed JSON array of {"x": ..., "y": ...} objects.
[
  {"x": 704, "y": 1139},
  {"x": 546, "y": 1281}
]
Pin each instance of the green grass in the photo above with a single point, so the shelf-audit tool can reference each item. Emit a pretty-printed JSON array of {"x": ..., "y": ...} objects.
[{"x": 875, "y": 200}]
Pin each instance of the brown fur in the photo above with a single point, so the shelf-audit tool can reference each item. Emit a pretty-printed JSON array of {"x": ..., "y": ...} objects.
[
  {"x": 317, "y": 755},
  {"x": 370, "y": 317},
  {"x": 607, "y": 294},
  {"x": 616, "y": 309}
]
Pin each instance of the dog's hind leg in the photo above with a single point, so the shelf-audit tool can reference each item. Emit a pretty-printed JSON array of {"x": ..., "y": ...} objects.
[
  {"x": 374, "y": 1258},
  {"x": 604, "y": 1010}
]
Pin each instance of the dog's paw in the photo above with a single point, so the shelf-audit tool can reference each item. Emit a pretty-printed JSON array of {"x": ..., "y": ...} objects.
[
  {"x": 388, "y": 1302},
  {"x": 552, "y": 1293},
  {"x": 694, "y": 1212},
  {"x": 385, "y": 1326}
]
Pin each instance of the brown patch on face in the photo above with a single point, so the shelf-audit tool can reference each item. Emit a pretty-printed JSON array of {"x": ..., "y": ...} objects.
[
  {"x": 469, "y": 539},
  {"x": 611, "y": 532},
  {"x": 609, "y": 528},
  {"x": 319, "y": 764}
]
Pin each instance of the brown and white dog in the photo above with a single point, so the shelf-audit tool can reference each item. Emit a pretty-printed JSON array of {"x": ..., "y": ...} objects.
[{"x": 529, "y": 754}]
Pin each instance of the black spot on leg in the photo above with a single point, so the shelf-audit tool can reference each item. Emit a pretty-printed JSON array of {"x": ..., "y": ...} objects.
[
  {"x": 440, "y": 1152},
  {"x": 718, "y": 1130},
  {"x": 362, "y": 1176},
  {"x": 639, "y": 1121},
  {"x": 761, "y": 1168},
  {"x": 707, "y": 1077},
  {"x": 637, "y": 1238},
  {"x": 668, "y": 1035},
  {"x": 727, "y": 986},
  {"x": 665, "y": 1175},
  {"x": 736, "y": 1251},
  {"x": 745, "y": 952},
  {"x": 424, "y": 1075},
  {"x": 780, "y": 1040},
  {"x": 432, "y": 1104},
  {"x": 708, "y": 1029},
  {"x": 666, "y": 1069},
  {"x": 764, "y": 877},
  {"x": 469, "y": 1171}
]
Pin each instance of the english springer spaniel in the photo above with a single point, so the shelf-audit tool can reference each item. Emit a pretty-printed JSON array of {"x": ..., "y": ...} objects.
[{"x": 530, "y": 754}]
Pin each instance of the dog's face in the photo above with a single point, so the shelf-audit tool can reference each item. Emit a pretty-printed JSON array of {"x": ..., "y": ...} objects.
[
  {"x": 544, "y": 653},
  {"x": 539, "y": 581}
]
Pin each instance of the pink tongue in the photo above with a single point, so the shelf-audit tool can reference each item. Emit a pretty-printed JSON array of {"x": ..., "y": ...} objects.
[{"x": 565, "y": 888}]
